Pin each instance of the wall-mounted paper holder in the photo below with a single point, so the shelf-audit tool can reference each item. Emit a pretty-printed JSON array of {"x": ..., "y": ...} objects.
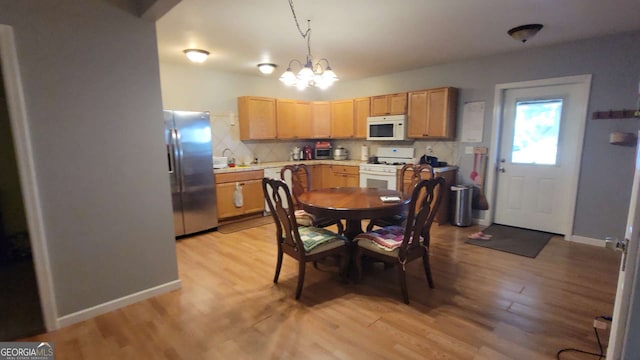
[{"x": 622, "y": 138}]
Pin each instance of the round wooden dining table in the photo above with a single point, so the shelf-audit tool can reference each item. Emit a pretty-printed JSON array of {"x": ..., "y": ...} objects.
[{"x": 352, "y": 204}]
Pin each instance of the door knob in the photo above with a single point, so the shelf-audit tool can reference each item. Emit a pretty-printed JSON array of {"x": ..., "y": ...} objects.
[{"x": 501, "y": 169}]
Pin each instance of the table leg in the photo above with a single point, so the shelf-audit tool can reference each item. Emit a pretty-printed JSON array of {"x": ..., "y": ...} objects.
[{"x": 354, "y": 228}]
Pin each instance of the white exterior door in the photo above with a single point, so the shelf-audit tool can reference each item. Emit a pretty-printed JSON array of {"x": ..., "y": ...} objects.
[
  {"x": 539, "y": 153},
  {"x": 625, "y": 327}
]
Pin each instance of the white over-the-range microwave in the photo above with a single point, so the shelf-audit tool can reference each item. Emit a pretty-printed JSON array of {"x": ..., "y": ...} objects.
[{"x": 390, "y": 127}]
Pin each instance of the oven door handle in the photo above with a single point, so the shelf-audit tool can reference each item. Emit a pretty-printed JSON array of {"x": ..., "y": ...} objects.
[{"x": 376, "y": 173}]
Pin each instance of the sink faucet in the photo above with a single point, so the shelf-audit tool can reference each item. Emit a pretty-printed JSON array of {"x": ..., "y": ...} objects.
[{"x": 230, "y": 160}]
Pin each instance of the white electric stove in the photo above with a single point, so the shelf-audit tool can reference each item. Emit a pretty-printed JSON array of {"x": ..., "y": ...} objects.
[{"x": 383, "y": 173}]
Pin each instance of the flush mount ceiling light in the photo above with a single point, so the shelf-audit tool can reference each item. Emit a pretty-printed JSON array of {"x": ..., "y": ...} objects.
[
  {"x": 196, "y": 55},
  {"x": 310, "y": 74},
  {"x": 267, "y": 68},
  {"x": 524, "y": 32}
]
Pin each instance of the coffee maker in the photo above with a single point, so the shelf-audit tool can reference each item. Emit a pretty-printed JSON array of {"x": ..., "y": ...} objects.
[{"x": 308, "y": 153}]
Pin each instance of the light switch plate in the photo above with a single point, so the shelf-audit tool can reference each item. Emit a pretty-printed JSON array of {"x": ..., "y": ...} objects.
[{"x": 468, "y": 149}]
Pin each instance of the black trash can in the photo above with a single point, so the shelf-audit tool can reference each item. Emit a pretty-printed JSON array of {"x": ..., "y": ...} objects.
[{"x": 461, "y": 195}]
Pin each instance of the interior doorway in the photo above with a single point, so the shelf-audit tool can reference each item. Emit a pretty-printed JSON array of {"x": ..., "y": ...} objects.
[
  {"x": 19, "y": 301},
  {"x": 536, "y": 152}
]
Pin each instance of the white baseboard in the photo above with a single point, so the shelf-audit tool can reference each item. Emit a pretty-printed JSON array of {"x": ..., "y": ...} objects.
[
  {"x": 94, "y": 311},
  {"x": 586, "y": 240}
]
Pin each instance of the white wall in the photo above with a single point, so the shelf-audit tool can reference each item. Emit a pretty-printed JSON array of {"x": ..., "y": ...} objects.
[
  {"x": 92, "y": 90},
  {"x": 607, "y": 170}
]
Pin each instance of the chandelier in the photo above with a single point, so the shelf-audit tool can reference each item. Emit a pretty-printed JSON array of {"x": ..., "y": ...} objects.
[{"x": 318, "y": 74}]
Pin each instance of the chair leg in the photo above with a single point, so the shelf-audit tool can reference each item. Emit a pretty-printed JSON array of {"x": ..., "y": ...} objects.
[
  {"x": 344, "y": 266},
  {"x": 301, "y": 268},
  {"x": 340, "y": 227},
  {"x": 403, "y": 284},
  {"x": 427, "y": 269},
  {"x": 370, "y": 225},
  {"x": 358, "y": 262},
  {"x": 278, "y": 267}
]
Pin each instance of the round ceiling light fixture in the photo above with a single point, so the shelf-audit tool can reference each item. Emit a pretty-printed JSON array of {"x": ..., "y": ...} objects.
[
  {"x": 196, "y": 55},
  {"x": 524, "y": 32},
  {"x": 267, "y": 68}
]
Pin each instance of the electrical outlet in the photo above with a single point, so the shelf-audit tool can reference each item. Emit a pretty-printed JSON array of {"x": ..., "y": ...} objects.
[
  {"x": 468, "y": 149},
  {"x": 429, "y": 149}
]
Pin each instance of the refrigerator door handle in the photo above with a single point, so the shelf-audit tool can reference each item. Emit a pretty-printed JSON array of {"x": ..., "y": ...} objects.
[
  {"x": 171, "y": 158},
  {"x": 177, "y": 153}
]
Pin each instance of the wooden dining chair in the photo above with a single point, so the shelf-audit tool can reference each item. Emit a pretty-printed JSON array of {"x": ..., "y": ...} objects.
[
  {"x": 395, "y": 245},
  {"x": 301, "y": 182},
  {"x": 410, "y": 175},
  {"x": 303, "y": 243}
]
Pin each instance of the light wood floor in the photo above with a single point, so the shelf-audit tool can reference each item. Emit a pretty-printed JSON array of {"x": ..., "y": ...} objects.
[{"x": 486, "y": 305}]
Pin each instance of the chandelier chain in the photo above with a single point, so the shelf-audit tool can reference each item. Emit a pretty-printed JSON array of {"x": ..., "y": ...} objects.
[{"x": 305, "y": 35}]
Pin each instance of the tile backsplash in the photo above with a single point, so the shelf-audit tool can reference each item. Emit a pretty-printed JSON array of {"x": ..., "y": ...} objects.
[{"x": 226, "y": 135}]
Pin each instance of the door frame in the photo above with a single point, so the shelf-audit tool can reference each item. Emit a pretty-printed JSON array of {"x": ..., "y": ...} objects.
[
  {"x": 584, "y": 81},
  {"x": 27, "y": 174}
]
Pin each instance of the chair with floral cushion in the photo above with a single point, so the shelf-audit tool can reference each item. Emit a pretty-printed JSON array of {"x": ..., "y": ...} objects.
[
  {"x": 301, "y": 182},
  {"x": 410, "y": 175},
  {"x": 396, "y": 245},
  {"x": 304, "y": 243}
]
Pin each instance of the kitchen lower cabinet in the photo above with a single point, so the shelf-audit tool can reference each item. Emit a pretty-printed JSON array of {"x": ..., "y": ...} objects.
[
  {"x": 449, "y": 174},
  {"x": 443, "y": 214},
  {"x": 250, "y": 183},
  {"x": 342, "y": 176}
]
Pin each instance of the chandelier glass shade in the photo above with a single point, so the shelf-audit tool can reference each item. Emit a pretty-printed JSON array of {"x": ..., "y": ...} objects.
[{"x": 318, "y": 74}]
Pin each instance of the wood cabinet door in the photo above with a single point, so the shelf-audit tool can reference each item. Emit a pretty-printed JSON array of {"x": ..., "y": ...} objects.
[
  {"x": 302, "y": 120},
  {"x": 320, "y": 120},
  {"x": 342, "y": 119},
  {"x": 362, "y": 109},
  {"x": 252, "y": 196},
  {"x": 417, "y": 119},
  {"x": 379, "y": 105},
  {"x": 432, "y": 113},
  {"x": 352, "y": 180},
  {"x": 398, "y": 104},
  {"x": 436, "y": 113},
  {"x": 257, "y": 118},
  {"x": 224, "y": 201},
  {"x": 286, "y": 118}
]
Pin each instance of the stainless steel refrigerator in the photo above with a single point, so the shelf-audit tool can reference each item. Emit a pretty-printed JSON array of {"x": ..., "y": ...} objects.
[{"x": 193, "y": 191}]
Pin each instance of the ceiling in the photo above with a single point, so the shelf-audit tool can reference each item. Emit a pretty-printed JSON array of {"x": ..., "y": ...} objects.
[{"x": 363, "y": 38}]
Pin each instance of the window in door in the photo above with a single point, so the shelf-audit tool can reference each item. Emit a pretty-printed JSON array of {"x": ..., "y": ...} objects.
[{"x": 536, "y": 131}]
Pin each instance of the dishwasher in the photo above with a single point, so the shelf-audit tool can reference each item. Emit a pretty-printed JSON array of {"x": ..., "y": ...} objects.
[{"x": 274, "y": 173}]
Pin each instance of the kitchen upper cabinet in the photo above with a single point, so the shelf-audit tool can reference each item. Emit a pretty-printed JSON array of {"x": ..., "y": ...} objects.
[
  {"x": 342, "y": 124},
  {"x": 257, "y": 117},
  {"x": 432, "y": 113},
  {"x": 250, "y": 183},
  {"x": 320, "y": 120},
  {"x": 391, "y": 104},
  {"x": 362, "y": 110},
  {"x": 293, "y": 118}
]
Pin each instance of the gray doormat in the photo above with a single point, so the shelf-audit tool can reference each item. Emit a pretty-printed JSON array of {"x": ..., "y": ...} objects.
[{"x": 514, "y": 240}]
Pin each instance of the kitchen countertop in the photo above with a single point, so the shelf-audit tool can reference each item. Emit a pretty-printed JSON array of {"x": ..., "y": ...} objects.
[{"x": 278, "y": 164}]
